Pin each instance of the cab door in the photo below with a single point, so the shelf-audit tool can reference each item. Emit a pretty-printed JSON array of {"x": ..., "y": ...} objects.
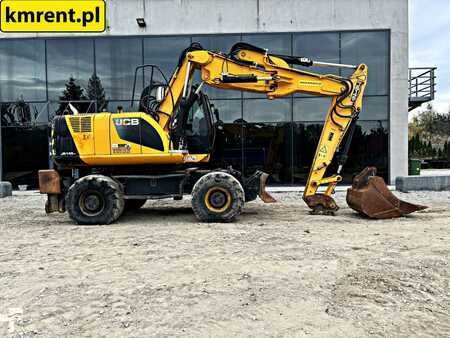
[{"x": 199, "y": 127}]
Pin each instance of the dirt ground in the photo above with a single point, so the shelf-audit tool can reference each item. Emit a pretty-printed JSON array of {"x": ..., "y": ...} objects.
[{"x": 277, "y": 272}]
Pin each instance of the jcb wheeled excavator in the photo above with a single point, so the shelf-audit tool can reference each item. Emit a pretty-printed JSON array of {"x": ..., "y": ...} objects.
[{"x": 106, "y": 163}]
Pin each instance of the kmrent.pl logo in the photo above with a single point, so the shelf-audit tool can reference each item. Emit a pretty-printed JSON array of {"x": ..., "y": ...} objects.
[{"x": 52, "y": 16}]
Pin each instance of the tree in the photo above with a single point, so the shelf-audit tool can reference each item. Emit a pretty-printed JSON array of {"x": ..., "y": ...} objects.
[
  {"x": 428, "y": 133},
  {"x": 96, "y": 92},
  {"x": 22, "y": 111},
  {"x": 72, "y": 92}
]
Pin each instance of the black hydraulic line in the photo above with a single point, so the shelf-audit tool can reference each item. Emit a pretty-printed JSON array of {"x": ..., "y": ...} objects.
[
  {"x": 343, "y": 154},
  {"x": 295, "y": 60}
]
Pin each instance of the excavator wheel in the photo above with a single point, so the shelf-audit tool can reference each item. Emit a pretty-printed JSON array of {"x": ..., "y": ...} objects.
[
  {"x": 132, "y": 205},
  {"x": 217, "y": 197},
  {"x": 95, "y": 199}
]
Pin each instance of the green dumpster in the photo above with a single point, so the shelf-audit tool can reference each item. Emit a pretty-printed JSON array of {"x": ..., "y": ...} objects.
[{"x": 414, "y": 167}]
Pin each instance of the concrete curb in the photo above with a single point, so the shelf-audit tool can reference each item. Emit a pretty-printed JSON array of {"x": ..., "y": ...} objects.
[
  {"x": 300, "y": 189},
  {"x": 416, "y": 183},
  {"x": 5, "y": 189}
]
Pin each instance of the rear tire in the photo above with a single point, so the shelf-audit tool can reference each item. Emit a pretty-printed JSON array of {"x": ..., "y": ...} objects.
[
  {"x": 217, "y": 197},
  {"x": 95, "y": 199},
  {"x": 133, "y": 205}
]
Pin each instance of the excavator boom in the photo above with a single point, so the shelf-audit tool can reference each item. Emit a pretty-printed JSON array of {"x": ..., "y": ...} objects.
[{"x": 252, "y": 69}]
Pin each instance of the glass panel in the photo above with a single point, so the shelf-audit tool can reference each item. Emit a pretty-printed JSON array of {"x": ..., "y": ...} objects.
[
  {"x": 275, "y": 43},
  {"x": 228, "y": 147},
  {"x": 116, "y": 60},
  {"x": 369, "y": 148},
  {"x": 264, "y": 110},
  {"x": 305, "y": 139},
  {"x": 32, "y": 144},
  {"x": 311, "y": 108},
  {"x": 268, "y": 147},
  {"x": 165, "y": 52},
  {"x": 375, "y": 108},
  {"x": 69, "y": 58},
  {"x": 22, "y": 70},
  {"x": 21, "y": 113},
  {"x": 314, "y": 109},
  {"x": 371, "y": 48},
  {"x": 218, "y": 43},
  {"x": 230, "y": 111},
  {"x": 116, "y": 106},
  {"x": 317, "y": 46}
]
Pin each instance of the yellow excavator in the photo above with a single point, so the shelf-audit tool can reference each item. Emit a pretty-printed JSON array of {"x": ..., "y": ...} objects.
[{"x": 106, "y": 163}]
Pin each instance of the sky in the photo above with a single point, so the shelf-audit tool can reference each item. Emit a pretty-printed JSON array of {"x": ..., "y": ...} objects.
[{"x": 429, "y": 44}]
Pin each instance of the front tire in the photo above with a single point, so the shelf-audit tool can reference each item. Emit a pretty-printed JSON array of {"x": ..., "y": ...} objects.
[
  {"x": 217, "y": 197},
  {"x": 95, "y": 199}
]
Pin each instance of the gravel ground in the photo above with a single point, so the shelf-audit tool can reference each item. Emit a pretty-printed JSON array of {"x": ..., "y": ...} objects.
[{"x": 278, "y": 271}]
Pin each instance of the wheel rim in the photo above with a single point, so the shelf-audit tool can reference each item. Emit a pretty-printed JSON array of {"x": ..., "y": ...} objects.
[
  {"x": 217, "y": 199},
  {"x": 91, "y": 203}
]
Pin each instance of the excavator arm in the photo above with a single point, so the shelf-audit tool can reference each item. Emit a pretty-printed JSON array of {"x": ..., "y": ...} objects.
[{"x": 252, "y": 69}]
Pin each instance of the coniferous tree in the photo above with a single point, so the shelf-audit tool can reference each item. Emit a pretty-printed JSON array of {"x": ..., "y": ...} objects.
[
  {"x": 73, "y": 93},
  {"x": 96, "y": 92}
]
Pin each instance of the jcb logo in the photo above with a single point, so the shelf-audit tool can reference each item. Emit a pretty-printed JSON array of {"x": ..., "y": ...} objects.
[{"x": 126, "y": 122}]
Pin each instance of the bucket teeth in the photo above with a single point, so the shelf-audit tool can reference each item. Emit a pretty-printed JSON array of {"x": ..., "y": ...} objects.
[{"x": 370, "y": 196}]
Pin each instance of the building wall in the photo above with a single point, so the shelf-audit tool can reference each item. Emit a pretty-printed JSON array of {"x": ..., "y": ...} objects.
[{"x": 165, "y": 17}]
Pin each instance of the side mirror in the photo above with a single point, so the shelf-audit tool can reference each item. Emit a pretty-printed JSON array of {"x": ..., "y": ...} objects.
[{"x": 160, "y": 93}]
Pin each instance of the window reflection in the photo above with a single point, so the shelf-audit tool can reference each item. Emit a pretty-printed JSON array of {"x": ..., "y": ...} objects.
[
  {"x": 230, "y": 111},
  {"x": 311, "y": 108},
  {"x": 274, "y": 43},
  {"x": 267, "y": 147},
  {"x": 264, "y": 110},
  {"x": 228, "y": 146},
  {"x": 115, "y": 106},
  {"x": 223, "y": 44},
  {"x": 371, "y": 48},
  {"x": 369, "y": 148},
  {"x": 22, "y": 70},
  {"x": 116, "y": 60},
  {"x": 317, "y": 46},
  {"x": 375, "y": 108},
  {"x": 68, "y": 58},
  {"x": 32, "y": 142},
  {"x": 257, "y": 134},
  {"x": 164, "y": 52},
  {"x": 217, "y": 43},
  {"x": 22, "y": 113}
]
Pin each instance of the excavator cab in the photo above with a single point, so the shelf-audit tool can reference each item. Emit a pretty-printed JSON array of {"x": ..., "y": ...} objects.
[{"x": 193, "y": 126}]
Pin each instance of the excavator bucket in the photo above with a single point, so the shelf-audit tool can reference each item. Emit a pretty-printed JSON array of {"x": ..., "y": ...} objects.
[
  {"x": 263, "y": 194},
  {"x": 370, "y": 196}
]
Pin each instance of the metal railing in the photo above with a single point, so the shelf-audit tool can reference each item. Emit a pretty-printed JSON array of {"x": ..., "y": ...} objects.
[
  {"x": 29, "y": 114},
  {"x": 422, "y": 84}
]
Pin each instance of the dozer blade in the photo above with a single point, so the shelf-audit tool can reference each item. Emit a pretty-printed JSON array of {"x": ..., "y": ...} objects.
[
  {"x": 370, "y": 196},
  {"x": 263, "y": 194}
]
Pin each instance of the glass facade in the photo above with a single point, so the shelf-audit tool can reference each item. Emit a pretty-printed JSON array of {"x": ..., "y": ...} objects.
[{"x": 277, "y": 136}]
